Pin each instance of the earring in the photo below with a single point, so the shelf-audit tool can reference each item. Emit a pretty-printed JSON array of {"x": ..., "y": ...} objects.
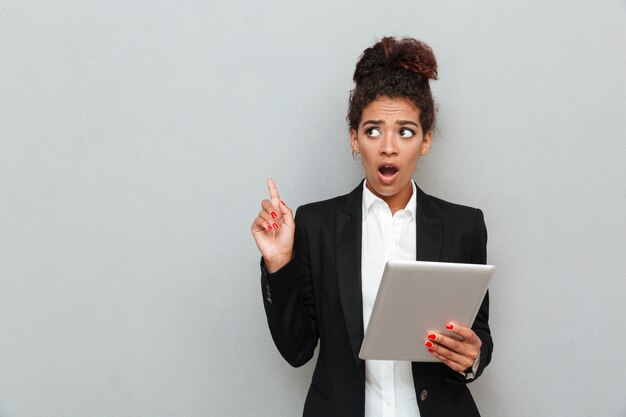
[{"x": 355, "y": 156}]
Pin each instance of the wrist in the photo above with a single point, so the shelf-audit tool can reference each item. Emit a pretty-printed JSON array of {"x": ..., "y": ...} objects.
[
  {"x": 274, "y": 264},
  {"x": 470, "y": 373}
]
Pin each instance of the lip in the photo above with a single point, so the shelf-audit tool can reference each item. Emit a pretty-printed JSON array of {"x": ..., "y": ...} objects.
[
  {"x": 388, "y": 180},
  {"x": 388, "y": 164}
]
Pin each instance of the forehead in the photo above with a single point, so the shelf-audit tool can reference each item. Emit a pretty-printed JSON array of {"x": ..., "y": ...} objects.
[{"x": 387, "y": 108}]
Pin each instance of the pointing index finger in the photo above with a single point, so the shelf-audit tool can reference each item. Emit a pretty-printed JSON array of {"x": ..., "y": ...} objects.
[{"x": 273, "y": 192}]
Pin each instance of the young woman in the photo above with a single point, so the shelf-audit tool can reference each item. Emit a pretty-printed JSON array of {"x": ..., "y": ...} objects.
[{"x": 320, "y": 271}]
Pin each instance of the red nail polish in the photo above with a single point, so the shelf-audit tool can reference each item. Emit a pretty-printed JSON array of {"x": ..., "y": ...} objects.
[
  {"x": 275, "y": 226},
  {"x": 450, "y": 326},
  {"x": 274, "y": 215},
  {"x": 269, "y": 227},
  {"x": 430, "y": 350},
  {"x": 283, "y": 203},
  {"x": 432, "y": 336},
  {"x": 428, "y": 344}
]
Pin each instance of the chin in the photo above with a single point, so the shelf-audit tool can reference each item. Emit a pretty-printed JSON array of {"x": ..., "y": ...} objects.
[{"x": 388, "y": 190}]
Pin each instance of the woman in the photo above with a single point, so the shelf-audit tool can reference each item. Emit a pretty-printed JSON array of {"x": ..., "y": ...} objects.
[{"x": 320, "y": 271}]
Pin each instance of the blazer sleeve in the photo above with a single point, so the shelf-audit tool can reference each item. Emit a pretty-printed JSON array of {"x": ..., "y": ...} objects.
[
  {"x": 289, "y": 302},
  {"x": 481, "y": 323}
]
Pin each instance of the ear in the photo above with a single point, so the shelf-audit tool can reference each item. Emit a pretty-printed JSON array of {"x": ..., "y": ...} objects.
[
  {"x": 425, "y": 146},
  {"x": 354, "y": 141}
]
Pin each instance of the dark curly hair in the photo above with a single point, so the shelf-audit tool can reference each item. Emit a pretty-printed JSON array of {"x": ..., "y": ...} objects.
[{"x": 395, "y": 68}]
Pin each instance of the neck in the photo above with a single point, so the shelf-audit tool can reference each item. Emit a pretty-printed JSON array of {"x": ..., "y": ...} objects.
[{"x": 397, "y": 201}]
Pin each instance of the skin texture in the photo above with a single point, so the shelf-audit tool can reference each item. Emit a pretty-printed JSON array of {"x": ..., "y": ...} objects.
[
  {"x": 273, "y": 230},
  {"x": 389, "y": 132},
  {"x": 458, "y": 355}
]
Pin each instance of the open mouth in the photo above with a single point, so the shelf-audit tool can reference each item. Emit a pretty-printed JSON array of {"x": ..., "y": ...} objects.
[{"x": 388, "y": 172}]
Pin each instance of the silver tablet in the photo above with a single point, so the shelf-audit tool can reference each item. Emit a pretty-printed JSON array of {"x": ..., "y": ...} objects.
[{"x": 416, "y": 297}]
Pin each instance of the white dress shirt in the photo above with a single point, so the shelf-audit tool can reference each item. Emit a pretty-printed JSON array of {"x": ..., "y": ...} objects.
[{"x": 389, "y": 388}]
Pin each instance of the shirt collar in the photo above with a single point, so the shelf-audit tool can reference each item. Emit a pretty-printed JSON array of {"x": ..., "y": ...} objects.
[{"x": 369, "y": 198}]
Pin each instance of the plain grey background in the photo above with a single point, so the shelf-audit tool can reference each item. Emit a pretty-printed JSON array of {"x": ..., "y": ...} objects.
[{"x": 135, "y": 140}]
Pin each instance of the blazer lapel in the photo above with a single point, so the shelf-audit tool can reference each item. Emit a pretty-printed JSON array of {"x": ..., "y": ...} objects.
[
  {"x": 429, "y": 230},
  {"x": 348, "y": 228}
]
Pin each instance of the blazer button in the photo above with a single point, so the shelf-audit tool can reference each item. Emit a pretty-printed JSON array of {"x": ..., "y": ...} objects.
[{"x": 423, "y": 395}]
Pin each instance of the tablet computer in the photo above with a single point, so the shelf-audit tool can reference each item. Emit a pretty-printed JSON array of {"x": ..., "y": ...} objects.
[{"x": 416, "y": 297}]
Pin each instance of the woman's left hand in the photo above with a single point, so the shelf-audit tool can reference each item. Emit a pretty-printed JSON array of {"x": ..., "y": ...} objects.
[{"x": 457, "y": 354}]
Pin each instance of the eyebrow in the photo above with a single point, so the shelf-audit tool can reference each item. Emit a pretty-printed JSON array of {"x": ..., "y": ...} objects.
[{"x": 400, "y": 122}]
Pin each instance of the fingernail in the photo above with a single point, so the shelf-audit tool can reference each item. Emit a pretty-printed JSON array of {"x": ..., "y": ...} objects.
[
  {"x": 274, "y": 215},
  {"x": 430, "y": 350},
  {"x": 269, "y": 227},
  {"x": 283, "y": 203},
  {"x": 275, "y": 226},
  {"x": 432, "y": 336},
  {"x": 450, "y": 326},
  {"x": 428, "y": 344}
]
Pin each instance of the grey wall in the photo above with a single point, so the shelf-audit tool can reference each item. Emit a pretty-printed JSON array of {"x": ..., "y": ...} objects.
[{"x": 135, "y": 140}]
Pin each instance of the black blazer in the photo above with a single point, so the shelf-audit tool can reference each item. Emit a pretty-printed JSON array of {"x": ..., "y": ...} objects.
[{"x": 317, "y": 296}]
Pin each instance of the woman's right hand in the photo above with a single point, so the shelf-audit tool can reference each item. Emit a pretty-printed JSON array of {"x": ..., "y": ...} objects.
[{"x": 273, "y": 230}]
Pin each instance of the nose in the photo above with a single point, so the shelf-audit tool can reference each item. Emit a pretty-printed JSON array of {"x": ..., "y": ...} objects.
[{"x": 388, "y": 145}]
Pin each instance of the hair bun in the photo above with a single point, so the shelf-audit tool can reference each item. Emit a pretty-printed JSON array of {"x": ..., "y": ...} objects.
[{"x": 407, "y": 53}]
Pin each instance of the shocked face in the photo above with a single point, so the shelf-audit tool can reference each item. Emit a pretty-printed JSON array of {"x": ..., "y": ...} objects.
[{"x": 390, "y": 140}]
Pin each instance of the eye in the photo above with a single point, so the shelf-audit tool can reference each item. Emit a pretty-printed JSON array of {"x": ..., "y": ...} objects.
[
  {"x": 373, "y": 132},
  {"x": 406, "y": 133}
]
